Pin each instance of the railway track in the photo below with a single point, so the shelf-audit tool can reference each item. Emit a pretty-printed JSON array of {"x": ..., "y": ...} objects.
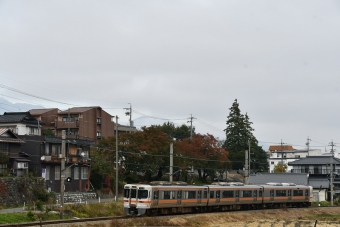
[
  {"x": 64, "y": 222},
  {"x": 113, "y": 218}
]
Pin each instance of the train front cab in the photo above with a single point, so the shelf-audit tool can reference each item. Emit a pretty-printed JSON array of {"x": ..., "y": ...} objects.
[{"x": 136, "y": 199}]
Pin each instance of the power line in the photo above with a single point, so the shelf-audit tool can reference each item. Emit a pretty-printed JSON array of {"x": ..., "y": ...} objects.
[{"x": 34, "y": 96}]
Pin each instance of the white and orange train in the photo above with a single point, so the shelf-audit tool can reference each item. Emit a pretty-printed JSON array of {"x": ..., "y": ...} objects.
[{"x": 177, "y": 197}]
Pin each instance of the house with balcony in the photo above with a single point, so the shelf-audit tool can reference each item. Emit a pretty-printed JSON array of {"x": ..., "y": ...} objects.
[
  {"x": 86, "y": 123},
  {"x": 286, "y": 153},
  {"x": 45, "y": 161},
  {"x": 319, "y": 171}
]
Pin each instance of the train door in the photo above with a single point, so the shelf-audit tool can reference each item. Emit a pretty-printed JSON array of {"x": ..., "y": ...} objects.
[
  {"x": 237, "y": 196},
  {"x": 306, "y": 194},
  {"x": 255, "y": 195},
  {"x": 133, "y": 196},
  {"x": 179, "y": 197},
  {"x": 218, "y": 193},
  {"x": 289, "y": 194},
  {"x": 271, "y": 195},
  {"x": 199, "y": 197},
  {"x": 155, "y": 197}
]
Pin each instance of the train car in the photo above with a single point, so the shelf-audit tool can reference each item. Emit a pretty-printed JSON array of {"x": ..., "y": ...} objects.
[
  {"x": 278, "y": 195},
  {"x": 164, "y": 198},
  {"x": 234, "y": 196}
]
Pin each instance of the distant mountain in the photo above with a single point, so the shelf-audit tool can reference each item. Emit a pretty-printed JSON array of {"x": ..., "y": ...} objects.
[{"x": 6, "y": 106}]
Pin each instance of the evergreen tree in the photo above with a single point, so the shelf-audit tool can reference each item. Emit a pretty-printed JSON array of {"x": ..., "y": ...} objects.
[{"x": 239, "y": 133}]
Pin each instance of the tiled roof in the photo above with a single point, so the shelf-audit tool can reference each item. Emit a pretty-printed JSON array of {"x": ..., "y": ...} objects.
[
  {"x": 281, "y": 148},
  {"x": 315, "y": 160},
  {"x": 15, "y": 117},
  {"x": 6, "y": 139},
  {"x": 319, "y": 182},
  {"x": 263, "y": 178},
  {"x": 40, "y": 111},
  {"x": 78, "y": 110}
]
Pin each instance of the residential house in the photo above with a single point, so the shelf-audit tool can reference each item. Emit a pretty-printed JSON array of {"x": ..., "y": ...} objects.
[
  {"x": 319, "y": 170},
  {"x": 21, "y": 123},
  {"x": 48, "y": 116},
  {"x": 92, "y": 123},
  {"x": 13, "y": 161},
  {"x": 45, "y": 156},
  {"x": 286, "y": 153}
]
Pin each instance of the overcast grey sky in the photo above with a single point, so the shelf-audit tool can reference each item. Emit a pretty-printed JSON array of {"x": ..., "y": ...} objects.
[{"x": 171, "y": 59}]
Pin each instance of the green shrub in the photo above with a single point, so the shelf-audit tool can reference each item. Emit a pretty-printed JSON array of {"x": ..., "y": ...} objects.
[{"x": 31, "y": 216}]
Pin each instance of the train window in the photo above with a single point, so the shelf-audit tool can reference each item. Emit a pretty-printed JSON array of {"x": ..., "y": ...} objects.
[
  {"x": 199, "y": 194},
  {"x": 218, "y": 194},
  {"x": 297, "y": 193},
  {"x": 179, "y": 195},
  {"x": 281, "y": 193},
  {"x": 142, "y": 194},
  {"x": 289, "y": 192},
  {"x": 126, "y": 193},
  {"x": 189, "y": 195},
  {"x": 272, "y": 193},
  {"x": 227, "y": 194},
  {"x": 255, "y": 193},
  {"x": 260, "y": 193},
  {"x": 237, "y": 194},
  {"x": 166, "y": 195},
  {"x": 205, "y": 194},
  {"x": 212, "y": 194},
  {"x": 247, "y": 193},
  {"x": 133, "y": 193}
]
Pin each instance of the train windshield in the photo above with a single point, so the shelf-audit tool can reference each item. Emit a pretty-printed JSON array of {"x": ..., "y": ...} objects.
[
  {"x": 142, "y": 194},
  {"x": 126, "y": 193}
]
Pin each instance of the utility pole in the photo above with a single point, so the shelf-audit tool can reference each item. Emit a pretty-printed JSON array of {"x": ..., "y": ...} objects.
[
  {"x": 130, "y": 115},
  {"x": 116, "y": 199},
  {"x": 190, "y": 120},
  {"x": 171, "y": 161},
  {"x": 246, "y": 172},
  {"x": 308, "y": 145},
  {"x": 282, "y": 156},
  {"x": 331, "y": 172},
  {"x": 62, "y": 174}
]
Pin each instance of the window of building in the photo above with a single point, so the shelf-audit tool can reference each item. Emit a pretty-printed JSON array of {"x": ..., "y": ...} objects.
[
  {"x": 99, "y": 134},
  {"x": 70, "y": 119},
  {"x": 22, "y": 165},
  {"x": 99, "y": 120},
  {"x": 57, "y": 173},
  {"x": 3, "y": 168},
  {"x": 56, "y": 149},
  {"x": 84, "y": 172},
  {"x": 47, "y": 174},
  {"x": 4, "y": 148},
  {"x": 33, "y": 131},
  {"x": 76, "y": 173}
]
